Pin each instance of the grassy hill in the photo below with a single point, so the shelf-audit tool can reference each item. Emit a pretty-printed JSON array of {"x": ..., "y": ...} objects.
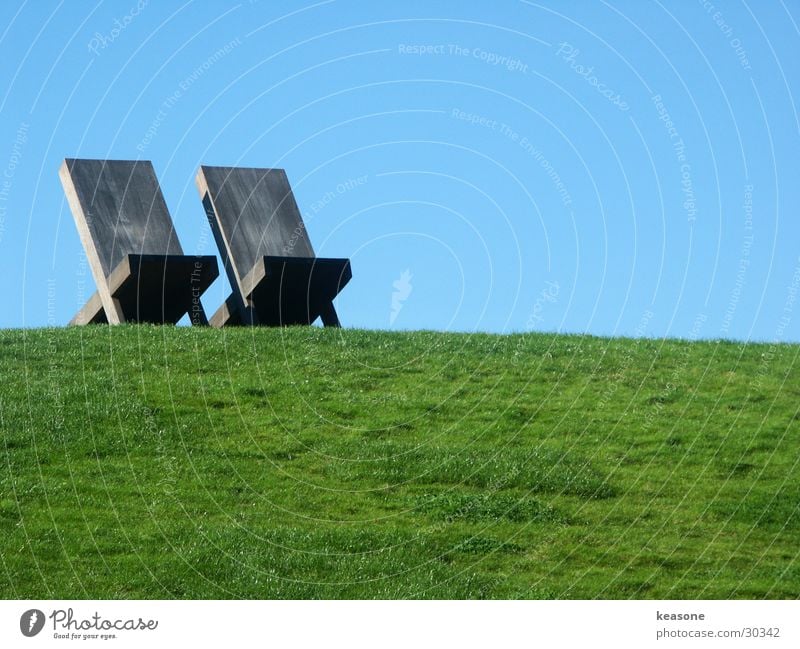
[{"x": 161, "y": 462}]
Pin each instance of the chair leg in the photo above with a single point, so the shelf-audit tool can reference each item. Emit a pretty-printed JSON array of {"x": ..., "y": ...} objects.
[
  {"x": 91, "y": 312},
  {"x": 197, "y": 316},
  {"x": 329, "y": 317}
]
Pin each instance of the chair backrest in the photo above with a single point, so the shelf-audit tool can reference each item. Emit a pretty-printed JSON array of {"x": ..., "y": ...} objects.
[
  {"x": 253, "y": 214},
  {"x": 119, "y": 210}
]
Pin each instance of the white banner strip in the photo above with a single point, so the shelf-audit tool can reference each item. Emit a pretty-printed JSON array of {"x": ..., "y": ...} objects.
[{"x": 386, "y": 625}]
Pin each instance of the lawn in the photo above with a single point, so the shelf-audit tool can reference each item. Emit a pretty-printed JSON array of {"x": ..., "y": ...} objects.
[{"x": 164, "y": 462}]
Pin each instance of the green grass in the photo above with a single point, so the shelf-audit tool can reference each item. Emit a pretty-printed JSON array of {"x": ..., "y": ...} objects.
[{"x": 161, "y": 462}]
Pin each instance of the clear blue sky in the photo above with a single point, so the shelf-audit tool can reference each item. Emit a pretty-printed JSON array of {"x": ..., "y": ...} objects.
[{"x": 513, "y": 157}]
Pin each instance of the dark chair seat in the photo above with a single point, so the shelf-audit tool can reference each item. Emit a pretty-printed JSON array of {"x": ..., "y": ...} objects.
[
  {"x": 277, "y": 279},
  {"x": 284, "y": 291},
  {"x": 120, "y": 212},
  {"x": 155, "y": 289}
]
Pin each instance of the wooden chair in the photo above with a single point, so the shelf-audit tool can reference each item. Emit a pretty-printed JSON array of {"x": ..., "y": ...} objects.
[
  {"x": 136, "y": 259},
  {"x": 277, "y": 279}
]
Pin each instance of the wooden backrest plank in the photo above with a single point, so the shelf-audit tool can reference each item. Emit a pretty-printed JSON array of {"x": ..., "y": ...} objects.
[
  {"x": 256, "y": 214},
  {"x": 119, "y": 210}
]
